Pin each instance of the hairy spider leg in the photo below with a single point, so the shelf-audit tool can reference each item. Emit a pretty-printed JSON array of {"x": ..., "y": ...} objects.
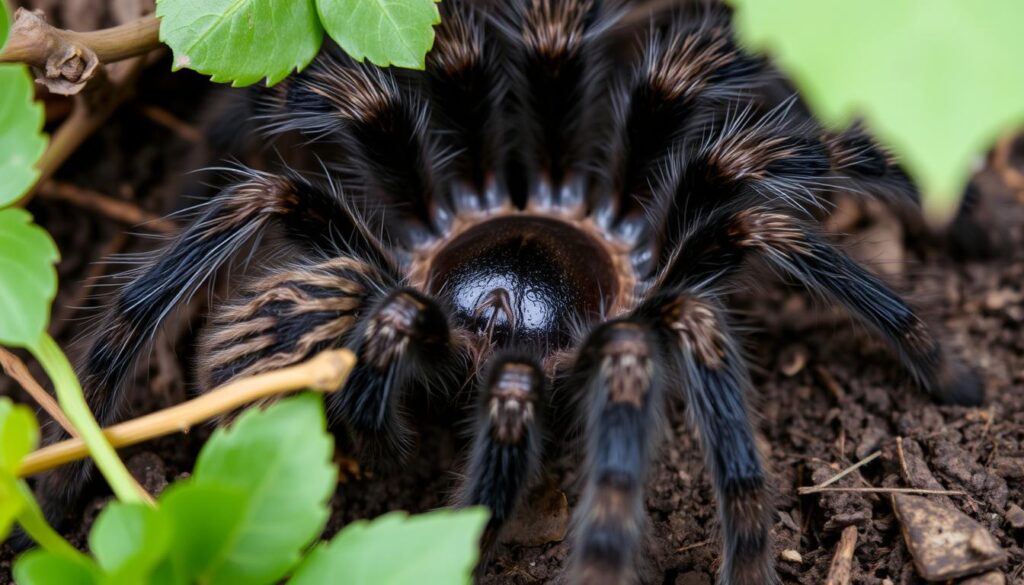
[
  {"x": 714, "y": 383},
  {"x": 619, "y": 369},
  {"x": 507, "y": 439},
  {"x": 224, "y": 226},
  {"x": 403, "y": 341}
]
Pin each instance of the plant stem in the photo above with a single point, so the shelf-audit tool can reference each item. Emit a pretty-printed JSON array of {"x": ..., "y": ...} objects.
[
  {"x": 32, "y": 521},
  {"x": 325, "y": 372},
  {"x": 72, "y": 401}
]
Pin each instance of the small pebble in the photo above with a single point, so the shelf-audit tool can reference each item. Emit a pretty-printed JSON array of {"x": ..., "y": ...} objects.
[{"x": 1015, "y": 516}]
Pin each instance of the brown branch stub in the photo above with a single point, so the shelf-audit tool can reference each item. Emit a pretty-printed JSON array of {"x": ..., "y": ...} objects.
[{"x": 64, "y": 61}]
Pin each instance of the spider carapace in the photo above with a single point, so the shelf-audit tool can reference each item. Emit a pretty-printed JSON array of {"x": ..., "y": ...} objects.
[{"x": 549, "y": 215}]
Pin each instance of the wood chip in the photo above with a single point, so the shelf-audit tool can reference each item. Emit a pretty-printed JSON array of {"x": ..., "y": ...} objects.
[
  {"x": 944, "y": 542},
  {"x": 791, "y": 556},
  {"x": 841, "y": 571}
]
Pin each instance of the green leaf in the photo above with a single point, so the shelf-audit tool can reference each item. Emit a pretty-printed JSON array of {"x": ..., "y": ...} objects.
[
  {"x": 5, "y": 23},
  {"x": 937, "y": 80},
  {"x": 397, "y": 549},
  {"x": 387, "y": 32},
  {"x": 28, "y": 280},
  {"x": 10, "y": 506},
  {"x": 204, "y": 522},
  {"x": 40, "y": 567},
  {"x": 241, "y": 41},
  {"x": 279, "y": 461},
  {"x": 129, "y": 541},
  {"x": 19, "y": 435},
  {"x": 21, "y": 139}
]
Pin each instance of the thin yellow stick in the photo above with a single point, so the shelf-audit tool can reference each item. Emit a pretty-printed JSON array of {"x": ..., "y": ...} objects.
[{"x": 325, "y": 372}]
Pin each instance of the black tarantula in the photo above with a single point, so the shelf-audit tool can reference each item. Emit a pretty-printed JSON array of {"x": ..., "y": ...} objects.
[{"x": 551, "y": 214}]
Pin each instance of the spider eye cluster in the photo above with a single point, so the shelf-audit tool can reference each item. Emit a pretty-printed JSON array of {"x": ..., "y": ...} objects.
[{"x": 521, "y": 279}]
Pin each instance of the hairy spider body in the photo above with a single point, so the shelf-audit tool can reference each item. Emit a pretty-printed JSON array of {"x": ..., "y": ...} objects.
[{"x": 552, "y": 219}]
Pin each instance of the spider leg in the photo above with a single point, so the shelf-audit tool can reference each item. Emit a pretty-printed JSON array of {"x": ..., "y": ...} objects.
[
  {"x": 226, "y": 224},
  {"x": 403, "y": 341},
  {"x": 714, "y": 381},
  {"x": 618, "y": 367},
  {"x": 506, "y": 447},
  {"x": 793, "y": 247}
]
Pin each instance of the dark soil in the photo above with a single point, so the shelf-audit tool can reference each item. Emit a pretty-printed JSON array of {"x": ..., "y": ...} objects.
[{"x": 829, "y": 394}]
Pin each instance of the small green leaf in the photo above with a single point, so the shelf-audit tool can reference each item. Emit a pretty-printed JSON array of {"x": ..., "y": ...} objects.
[
  {"x": 19, "y": 435},
  {"x": 387, "y": 32},
  {"x": 937, "y": 80},
  {"x": 241, "y": 41},
  {"x": 21, "y": 139},
  {"x": 40, "y": 567},
  {"x": 397, "y": 549},
  {"x": 10, "y": 506},
  {"x": 129, "y": 541},
  {"x": 280, "y": 460},
  {"x": 28, "y": 280}
]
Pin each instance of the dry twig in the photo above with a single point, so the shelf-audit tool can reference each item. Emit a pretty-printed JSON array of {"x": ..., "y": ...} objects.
[
  {"x": 16, "y": 369},
  {"x": 325, "y": 372},
  {"x": 804, "y": 491},
  {"x": 120, "y": 211}
]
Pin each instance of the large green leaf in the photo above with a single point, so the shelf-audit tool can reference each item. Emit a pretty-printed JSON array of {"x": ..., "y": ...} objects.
[
  {"x": 28, "y": 280},
  {"x": 241, "y": 41},
  {"x": 5, "y": 23},
  {"x": 40, "y": 567},
  {"x": 387, "y": 32},
  {"x": 129, "y": 541},
  {"x": 279, "y": 462},
  {"x": 21, "y": 139},
  {"x": 204, "y": 520},
  {"x": 397, "y": 549},
  {"x": 935, "y": 79}
]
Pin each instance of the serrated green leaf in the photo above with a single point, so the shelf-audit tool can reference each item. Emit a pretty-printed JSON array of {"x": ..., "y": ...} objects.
[
  {"x": 397, "y": 549},
  {"x": 280, "y": 460},
  {"x": 241, "y": 41},
  {"x": 40, "y": 567},
  {"x": 21, "y": 138},
  {"x": 936, "y": 79},
  {"x": 129, "y": 541},
  {"x": 28, "y": 280},
  {"x": 19, "y": 435},
  {"x": 387, "y": 32}
]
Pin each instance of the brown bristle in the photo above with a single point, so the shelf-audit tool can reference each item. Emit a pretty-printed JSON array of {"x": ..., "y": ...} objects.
[
  {"x": 699, "y": 330},
  {"x": 554, "y": 28},
  {"x": 357, "y": 93},
  {"x": 768, "y": 231},
  {"x": 457, "y": 46},
  {"x": 683, "y": 68}
]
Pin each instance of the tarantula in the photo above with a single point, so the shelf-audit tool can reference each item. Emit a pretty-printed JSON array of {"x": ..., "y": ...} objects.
[{"x": 551, "y": 214}]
